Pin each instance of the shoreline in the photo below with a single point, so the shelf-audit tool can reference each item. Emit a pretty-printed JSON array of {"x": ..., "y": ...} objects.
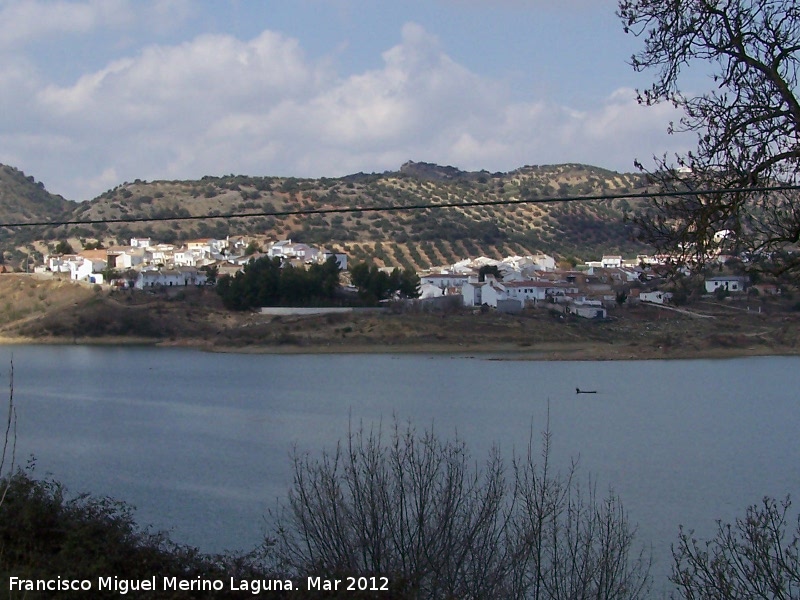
[
  {"x": 77, "y": 316},
  {"x": 544, "y": 351}
]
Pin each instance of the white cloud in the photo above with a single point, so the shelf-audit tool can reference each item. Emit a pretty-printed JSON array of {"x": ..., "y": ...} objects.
[
  {"x": 212, "y": 75},
  {"x": 217, "y": 105},
  {"x": 612, "y": 134},
  {"x": 163, "y": 15},
  {"x": 27, "y": 20},
  {"x": 623, "y": 130},
  {"x": 105, "y": 180},
  {"x": 18, "y": 82},
  {"x": 419, "y": 91}
]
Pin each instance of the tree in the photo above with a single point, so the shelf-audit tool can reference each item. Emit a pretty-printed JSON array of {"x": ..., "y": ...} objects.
[
  {"x": 257, "y": 284},
  {"x": 408, "y": 286},
  {"x": 64, "y": 247},
  {"x": 328, "y": 274},
  {"x": 756, "y": 557},
  {"x": 489, "y": 270},
  {"x": 48, "y": 534},
  {"x": 268, "y": 282},
  {"x": 375, "y": 284},
  {"x": 212, "y": 272},
  {"x": 747, "y": 125},
  {"x": 110, "y": 274},
  {"x": 9, "y": 454},
  {"x": 418, "y": 510}
]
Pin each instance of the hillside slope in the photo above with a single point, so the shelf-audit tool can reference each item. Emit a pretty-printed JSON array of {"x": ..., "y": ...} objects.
[
  {"x": 23, "y": 199},
  {"x": 408, "y": 237}
]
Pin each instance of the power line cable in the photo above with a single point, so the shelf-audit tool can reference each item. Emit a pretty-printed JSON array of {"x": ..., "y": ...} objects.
[{"x": 411, "y": 207}]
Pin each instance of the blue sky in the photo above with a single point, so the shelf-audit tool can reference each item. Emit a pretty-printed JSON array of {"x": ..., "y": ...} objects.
[{"x": 97, "y": 92}]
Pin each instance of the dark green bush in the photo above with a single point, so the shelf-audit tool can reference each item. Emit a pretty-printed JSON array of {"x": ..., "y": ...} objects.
[{"x": 46, "y": 534}]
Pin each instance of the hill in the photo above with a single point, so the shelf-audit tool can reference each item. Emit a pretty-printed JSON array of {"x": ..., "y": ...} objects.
[
  {"x": 23, "y": 199},
  {"x": 410, "y": 237}
]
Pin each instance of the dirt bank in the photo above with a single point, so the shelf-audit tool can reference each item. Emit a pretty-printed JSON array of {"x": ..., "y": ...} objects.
[{"x": 51, "y": 311}]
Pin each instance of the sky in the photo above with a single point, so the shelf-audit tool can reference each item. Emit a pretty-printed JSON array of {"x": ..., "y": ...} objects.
[{"x": 95, "y": 93}]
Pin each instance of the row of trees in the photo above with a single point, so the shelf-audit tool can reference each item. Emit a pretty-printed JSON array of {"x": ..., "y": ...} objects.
[
  {"x": 375, "y": 284},
  {"x": 268, "y": 282}
]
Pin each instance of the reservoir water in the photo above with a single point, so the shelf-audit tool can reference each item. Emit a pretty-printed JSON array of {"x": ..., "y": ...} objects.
[{"x": 200, "y": 443}]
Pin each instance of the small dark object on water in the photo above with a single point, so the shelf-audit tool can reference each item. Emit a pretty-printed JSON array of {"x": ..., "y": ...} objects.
[{"x": 580, "y": 391}]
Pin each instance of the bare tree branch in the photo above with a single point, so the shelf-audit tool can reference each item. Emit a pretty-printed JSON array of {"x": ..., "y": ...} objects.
[
  {"x": 10, "y": 437},
  {"x": 419, "y": 510},
  {"x": 748, "y": 125},
  {"x": 756, "y": 557}
]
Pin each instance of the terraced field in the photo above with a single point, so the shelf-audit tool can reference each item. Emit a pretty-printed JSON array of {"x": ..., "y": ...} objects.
[{"x": 433, "y": 215}]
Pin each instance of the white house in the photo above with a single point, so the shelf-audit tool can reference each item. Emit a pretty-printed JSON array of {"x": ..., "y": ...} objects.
[
  {"x": 287, "y": 249},
  {"x": 305, "y": 253},
  {"x": 141, "y": 242},
  {"x": 279, "y": 248},
  {"x": 463, "y": 267},
  {"x": 733, "y": 284},
  {"x": 190, "y": 256},
  {"x": 493, "y": 291},
  {"x": 477, "y": 293},
  {"x": 80, "y": 269},
  {"x": 88, "y": 266},
  {"x": 543, "y": 262},
  {"x": 511, "y": 275},
  {"x": 203, "y": 244},
  {"x": 472, "y": 292},
  {"x": 85, "y": 269},
  {"x": 161, "y": 254},
  {"x": 656, "y": 297},
  {"x": 429, "y": 290},
  {"x": 182, "y": 276},
  {"x": 482, "y": 261},
  {"x": 59, "y": 263},
  {"x": 587, "y": 309},
  {"x": 125, "y": 257},
  {"x": 528, "y": 292},
  {"x": 444, "y": 281},
  {"x": 558, "y": 291}
]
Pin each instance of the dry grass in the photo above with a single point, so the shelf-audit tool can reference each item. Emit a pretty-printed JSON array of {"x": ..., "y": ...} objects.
[{"x": 46, "y": 311}]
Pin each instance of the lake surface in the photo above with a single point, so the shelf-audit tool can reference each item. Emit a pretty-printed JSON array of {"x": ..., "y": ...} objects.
[{"x": 200, "y": 443}]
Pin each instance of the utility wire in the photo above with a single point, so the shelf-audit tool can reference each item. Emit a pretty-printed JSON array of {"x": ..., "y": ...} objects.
[{"x": 410, "y": 207}]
